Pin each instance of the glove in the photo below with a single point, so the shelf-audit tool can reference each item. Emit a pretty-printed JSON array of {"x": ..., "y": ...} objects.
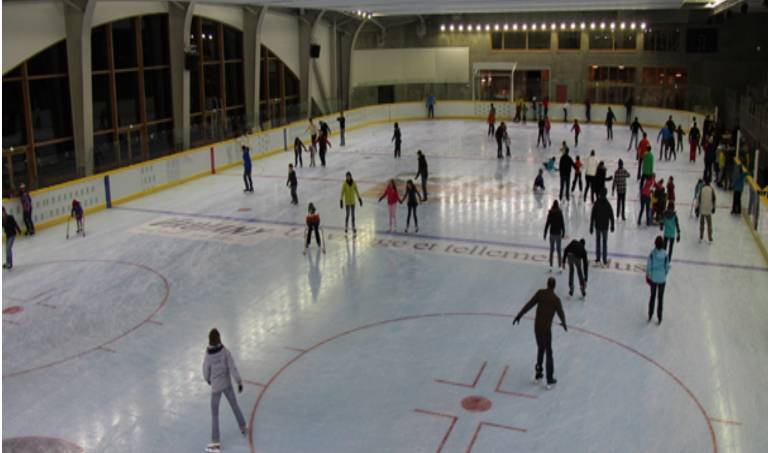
[
  {"x": 516, "y": 321},
  {"x": 545, "y": 237},
  {"x": 361, "y": 202},
  {"x": 678, "y": 239},
  {"x": 565, "y": 327},
  {"x": 341, "y": 204},
  {"x": 240, "y": 387},
  {"x": 611, "y": 229},
  {"x": 591, "y": 230}
]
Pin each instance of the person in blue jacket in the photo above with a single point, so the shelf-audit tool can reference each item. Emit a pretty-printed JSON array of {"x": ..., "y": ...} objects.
[
  {"x": 670, "y": 225},
  {"x": 247, "y": 169},
  {"x": 739, "y": 177},
  {"x": 656, "y": 270}
]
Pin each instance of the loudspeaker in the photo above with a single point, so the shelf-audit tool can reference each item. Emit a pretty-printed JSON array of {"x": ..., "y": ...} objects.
[
  {"x": 190, "y": 61},
  {"x": 314, "y": 51}
]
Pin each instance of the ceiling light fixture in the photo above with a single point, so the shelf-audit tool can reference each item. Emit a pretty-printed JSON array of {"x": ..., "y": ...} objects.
[
  {"x": 506, "y": 27},
  {"x": 525, "y": 27},
  {"x": 514, "y": 27},
  {"x": 487, "y": 27},
  {"x": 632, "y": 26},
  {"x": 602, "y": 25},
  {"x": 533, "y": 27},
  {"x": 562, "y": 25},
  {"x": 642, "y": 26},
  {"x": 623, "y": 25},
  {"x": 613, "y": 25},
  {"x": 470, "y": 27},
  {"x": 461, "y": 27},
  {"x": 442, "y": 27},
  {"x": 592, "y": 26},
  {"x": 496, "y": 27},
  {"x": 583, "y": 25},
  {"x": 573, "y": 25},
  {"x": 451, "y": 27}
]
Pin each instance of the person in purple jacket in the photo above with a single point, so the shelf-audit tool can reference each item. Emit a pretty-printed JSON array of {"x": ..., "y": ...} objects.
[
  {"x": 218, "y": 369},
  {"x": 26, "y": 208}
]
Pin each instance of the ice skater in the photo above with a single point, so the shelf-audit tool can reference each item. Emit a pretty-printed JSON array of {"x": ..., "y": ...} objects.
[
  {"x": 393, "y": 198},
  {"x": 609, "y": 119},
  {"x": 619, "y": 186},
  {"x": 547, "y": 304},
  {"x": 491, "y": 121},
  {"x": 556, "y": 227},
  {"x": 541, "y": 138},
  {"x": 670, "y": 225},
  {"x": 538, "y": 182},
  {"x": 577, "y": 164},
  {"x": 298, "y": 147},
  {"x": 26, "y": 210},
  {"x": 347, "y": 201},
  {"x": 293, "y": 183},
  {"x": 566, "y": 164},
  {"x": 601, "y": 218},
  {"x": 11, "y": 229},
  {"x": 591, "y": 169},
  {"x": 342, "y": 127},
  {"x": 645, "y": 198},
  {"x": 312, "y": 129},
  {"x": 247, "y": 166},
  {"x": 635, "y": 128},
  {"x": 423, "y": 171},
  {"x": 412, "y": 195},
  {"x": 680, "y": 133},
  {"x": 550, "y": 165},
  {"x": 566, "y": 106},
  {"x": 576, "y": 257},
  {"x": 656, "y": 270},
  {"x": 705, "y": 209},
  {"x": 694, "y": 136},
  {"x": 397, "y": 137},
  {"x": 642, "y": 148},
  {"x": 576, "y": 129},
  {"x": 78, "y": 214},
  {"x": 324, "y": 143},
  {"x": 547, "y": 130},
  {"x": 313, "y": 225},
  {"x": 501, "y": 131},
  {"x": 218, "y": 370}
]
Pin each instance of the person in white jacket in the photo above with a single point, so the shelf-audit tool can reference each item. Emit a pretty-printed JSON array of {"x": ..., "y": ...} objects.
[
  {"x": 218, "y": 369},
  {"x": 591, "y": 169}
]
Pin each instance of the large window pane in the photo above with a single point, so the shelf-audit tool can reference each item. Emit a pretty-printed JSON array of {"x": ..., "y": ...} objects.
[
  {"x": 194, "y": 87},
  {"x": 212, "y": 87},
  {"x": 20, "y": 169},
  {"x": 51, "y": 116},
  {"x": 160, "y": 139},
  {"x": 626, "y": 40},
  {"x": 14, "y": 130},
  {"x": 99, "y": 56},
  {"x": 600, "y": 40},
  {"x": 234, "y": 75},
  {"x": 233, "y": 44},
  {"x": 291, "y": 83},
  {"x": 127, "y": 85},
  {"x": 154, "y": 38},
  {"x": 274, "y": 78},
  {"x": 539, "y": 39},
  {"x": 55, "y": 163},
  {"x": 124, "y": 43},
  {"x": 157, "y": 86},
  {"x": 569, "y": 40},
  {"x": 235, "y": 121},
  {"x": 514, "y": 40},
  {"x": 102, "y": 103},
  {"x": 52, "y": 60},
  {"x": 210, "y": 41},
  {"x": 497, "y": 41},
  {"x": 104, "y": 152},
  {"x": 701, "y": 40}
]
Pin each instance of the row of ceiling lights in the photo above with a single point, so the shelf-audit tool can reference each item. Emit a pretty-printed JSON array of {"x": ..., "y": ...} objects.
[
  {"x": 543, "y": 26},
  {"x": 364, "y": 14}
]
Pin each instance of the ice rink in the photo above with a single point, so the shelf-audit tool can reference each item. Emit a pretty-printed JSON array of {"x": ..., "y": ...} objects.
[{"x": 389, "y": 342}]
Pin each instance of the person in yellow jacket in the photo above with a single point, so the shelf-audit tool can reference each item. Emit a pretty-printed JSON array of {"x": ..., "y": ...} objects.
[{"x": 348, "y": 194}]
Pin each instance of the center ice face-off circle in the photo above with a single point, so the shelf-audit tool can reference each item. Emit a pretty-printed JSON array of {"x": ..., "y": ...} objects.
[
  {"x": 464, "y": 382},
  {"x": 80, "y": 306}
]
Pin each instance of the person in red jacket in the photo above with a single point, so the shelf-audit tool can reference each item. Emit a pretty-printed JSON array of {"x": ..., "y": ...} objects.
[
  {"x": 645, "y": 200},
  {"x": 492, "y": 121},
  {"x": 576, "y": 129},
  {"x": 393, "y": 197},
  {"x": 671, "y": 189},
  {"x": 642, "y": 148}
]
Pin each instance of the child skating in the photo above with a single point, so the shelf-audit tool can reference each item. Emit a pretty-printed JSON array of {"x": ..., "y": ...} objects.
[
  {"x": 538, "y": 183},
  {"x": 218, "y": 370},
  {"x": 298, "y": 147},
  {"x": 347, "y": 201},
  {"x": 577, "y": 164},
  {"x": 412, "y": 195},
  {"x": 77, "y": 213},
  {"x": 393, "y": 197},
  {"x": 576, "y": 129},
  {"x": 313, "y": 225}
]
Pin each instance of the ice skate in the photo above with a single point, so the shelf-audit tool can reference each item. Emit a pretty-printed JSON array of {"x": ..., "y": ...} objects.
[
  {"x": 551, "y": 384},
  {"x": 213, "y": 447},
  {"x": 583, "y": 292},
  {"x": 538, "y": 376},
  {"x": 570, "y": 292}
]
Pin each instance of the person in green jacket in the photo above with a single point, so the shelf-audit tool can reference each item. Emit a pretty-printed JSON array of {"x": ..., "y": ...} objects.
[
  {"x": 670, "y": 225},
  {"x": 647, "y": 166},
  {"x": 348, "y": 194}
]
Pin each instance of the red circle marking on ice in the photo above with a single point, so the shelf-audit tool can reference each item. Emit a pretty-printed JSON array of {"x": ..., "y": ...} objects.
[
  {"x": 244, "y": 209},
  {"x": 476, "y": 404},
  {"x": 617, "y": 343},
  {"x": 13, "y": 310},
  {"x": 160, "y": 305}
]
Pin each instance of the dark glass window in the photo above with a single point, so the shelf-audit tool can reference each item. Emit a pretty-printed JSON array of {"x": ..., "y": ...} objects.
[
  {"x": 55, "y": 163},
  {"x": 291, "y": 83},
  {"x": 104, "y": 151},
  {"x": 210, "y": 40},
  {"x": 625, "y": 40},
  {"x": 124, "y": 43},
  {"x": 52, "y": 60},
  {"x": 14, "y": 129},
  {"x": 20, "y": 169},
  {"x": 212, "y": 87},
  {"x": 600, "y": 40},
  {"x": 15, "y": 72},
  {"x": 274, "y": 79},
  {"x": 497, "y": 41},
  {"x": 99, "y": 52},
  {"x": 701, "y": 40},
  {"x": 234, "y": 74},
  {"x": 160, "y": 139},
  {"x": 194, "y": 83},
  {"x": 233, "y": 44},
  {"x": 157, "y": 93},
  {"x": 51, "y": 115},
  {"x": 569, "y": 40},
  {"x": 539, "y": 40},
  {"x": 514, "y": 40},
  {"x": 154, "y": 38},
  {"x": 127, "y": 85},
  {"x": 102, "y": 102},
  {"x": 662, "y": 40}
]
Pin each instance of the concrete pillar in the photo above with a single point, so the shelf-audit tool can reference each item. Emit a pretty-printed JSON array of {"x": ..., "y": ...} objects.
[
  {"x": 252, "y": 26},
  {"x": 349, "y": 62},
  {"x": 305, "y": 31},
  {"x": 179, "y": 30},
  {"x": 78, "y": 19}
]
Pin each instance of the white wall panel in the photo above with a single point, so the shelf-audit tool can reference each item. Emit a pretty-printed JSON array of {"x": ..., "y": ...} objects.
[
  {"x": 230, "y": 15},
  {"x": 280, "y": 34},
  {"x": 111, "y": 11},
  {"x": 395, "y": 66},
  {"x": 28, "y": 28}
]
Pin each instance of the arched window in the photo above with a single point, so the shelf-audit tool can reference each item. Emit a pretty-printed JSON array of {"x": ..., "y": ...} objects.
[
  {"x": 217, "y": 88},
  {"x": 38, "y": 146},
  {"x": 279, "y": 103},
  {"x": 132, "y": 105}
]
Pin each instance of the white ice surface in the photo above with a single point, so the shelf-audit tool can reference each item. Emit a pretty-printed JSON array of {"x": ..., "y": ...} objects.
[{"x": 624, "y": 385}]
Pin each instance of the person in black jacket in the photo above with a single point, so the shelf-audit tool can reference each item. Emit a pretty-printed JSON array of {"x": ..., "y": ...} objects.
[
  {"x": 423, "y": 172},
  {"x": 576, "y": 256},
  {"x": 499, "y": 134},
  {"x": 710, "y": 151},
  {"x": 397, "y": 137},
  {"x": 601, "y": 218},
  {"x": 609, "y": 119},
  {"x": 293, "y": 183},
  {"x": 542, "y": 137},
  {"x": 566, "y": 163},
  {"x": 11, "y": 229},
  {"x": 635, "y": 128},
  {"x": 600, "y": 177},
  {"x": 547, "y": 304},
  {"x": 556, "y": 227},
  {"x": 342, "y": 125}
]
